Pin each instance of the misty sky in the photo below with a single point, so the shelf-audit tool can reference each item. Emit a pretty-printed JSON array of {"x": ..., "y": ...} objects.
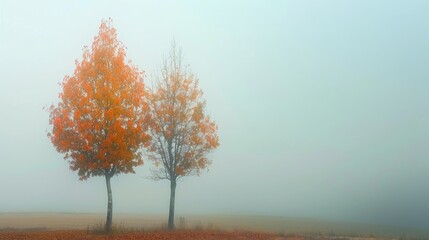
[{"x": 322, "y": 106}]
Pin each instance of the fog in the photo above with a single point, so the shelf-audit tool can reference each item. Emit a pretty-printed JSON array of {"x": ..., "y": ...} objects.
[{"x": 322, "y": 106}]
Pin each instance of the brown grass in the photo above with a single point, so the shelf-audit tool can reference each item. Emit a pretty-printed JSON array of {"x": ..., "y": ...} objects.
[
  {"x": 160, "y": 235},
  {"x": 134, "y": 224}
]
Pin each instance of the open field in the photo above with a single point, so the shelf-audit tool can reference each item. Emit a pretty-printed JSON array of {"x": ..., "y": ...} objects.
[
  {"x": 182, "y": 234},
  {"x": 77, "y": 226}
]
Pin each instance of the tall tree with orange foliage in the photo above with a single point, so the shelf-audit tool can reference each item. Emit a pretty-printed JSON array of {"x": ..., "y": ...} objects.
[
  {"x": 101, "y": 120},
  {"x": 181, "y": 133}
]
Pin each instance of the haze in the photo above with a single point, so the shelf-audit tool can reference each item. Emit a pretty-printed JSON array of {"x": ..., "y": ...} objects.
[{"x": 322, "y": 106}]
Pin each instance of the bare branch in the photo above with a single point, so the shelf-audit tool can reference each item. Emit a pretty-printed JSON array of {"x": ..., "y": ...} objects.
[{"x": 180, "y": 131}]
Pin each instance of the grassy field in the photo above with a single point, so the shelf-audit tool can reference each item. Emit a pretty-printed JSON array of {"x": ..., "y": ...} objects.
[{"x": 279, "y": 226}]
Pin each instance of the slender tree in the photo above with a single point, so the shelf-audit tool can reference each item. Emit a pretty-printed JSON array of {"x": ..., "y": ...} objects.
[
  {"x": 101, "y": 119},
  {"x": 181, "y": 133}
]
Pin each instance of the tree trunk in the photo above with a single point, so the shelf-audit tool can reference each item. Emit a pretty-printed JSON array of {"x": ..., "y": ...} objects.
[
  {"x": 172, "y": 200},
  {"x": 108, "y": 226}
]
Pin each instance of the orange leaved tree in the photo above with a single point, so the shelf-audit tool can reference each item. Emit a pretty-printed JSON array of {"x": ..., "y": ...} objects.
[
  {"x": 181, "y": 133},
  {"x": 101, "y": 119}
]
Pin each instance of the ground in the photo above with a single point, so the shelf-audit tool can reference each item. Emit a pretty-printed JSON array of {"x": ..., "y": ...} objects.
[
  {"x": 74, "y": 226},
  {"x": 159, "y": 235}
]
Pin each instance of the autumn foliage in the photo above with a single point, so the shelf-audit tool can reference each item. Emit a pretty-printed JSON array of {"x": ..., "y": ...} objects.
[
  {"x": 101, "y": 119},
  {"x": 182, "y": 134}
]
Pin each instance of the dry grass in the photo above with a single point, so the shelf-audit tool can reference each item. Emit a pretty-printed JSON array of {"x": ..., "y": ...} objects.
[
  {"x": 159, "y": 235},
  {"x": 286, "y": 228}
]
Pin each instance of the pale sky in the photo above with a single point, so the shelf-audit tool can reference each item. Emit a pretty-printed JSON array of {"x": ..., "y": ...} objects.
[{"x": 322, "y": 106}]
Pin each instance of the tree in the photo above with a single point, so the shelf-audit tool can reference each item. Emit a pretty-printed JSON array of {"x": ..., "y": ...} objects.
[
  {"x": 101, "y": 119},
  {"x": 181, "y": 133}
]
